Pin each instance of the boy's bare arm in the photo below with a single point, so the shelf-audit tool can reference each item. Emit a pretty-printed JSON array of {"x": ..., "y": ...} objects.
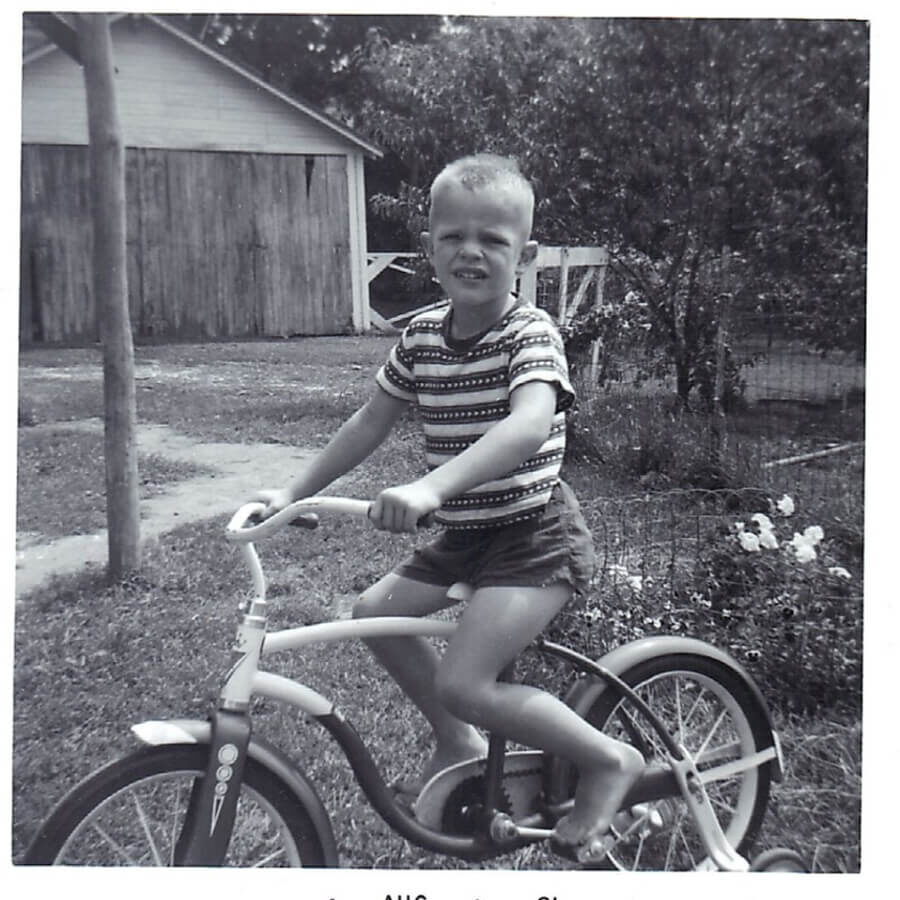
[
  {"x": 498, "y": 451},
  {"x": 359, "y": 436}
]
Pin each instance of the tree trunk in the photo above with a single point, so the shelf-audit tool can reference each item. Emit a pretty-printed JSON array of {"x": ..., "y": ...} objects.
[
  {"x": 683, "y": 383},
  {"x": 107, "y": 164}
]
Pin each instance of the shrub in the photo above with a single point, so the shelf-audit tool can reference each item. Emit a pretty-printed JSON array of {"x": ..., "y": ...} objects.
[{"x": 777, "y": 599}]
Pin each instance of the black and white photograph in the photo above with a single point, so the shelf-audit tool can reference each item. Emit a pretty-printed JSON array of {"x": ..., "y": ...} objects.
[{"x": 441, "y": 448}]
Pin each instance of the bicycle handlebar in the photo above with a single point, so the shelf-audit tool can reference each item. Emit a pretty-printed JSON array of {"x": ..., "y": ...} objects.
[{"x": 301, "y": 512}]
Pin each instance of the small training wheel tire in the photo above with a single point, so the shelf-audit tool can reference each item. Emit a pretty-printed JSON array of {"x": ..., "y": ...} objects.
[{"x": 779, "y": 859}]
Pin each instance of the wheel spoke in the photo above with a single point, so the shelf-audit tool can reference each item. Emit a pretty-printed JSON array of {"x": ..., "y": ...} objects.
[
  {"x": 678, "y": 716},
  {"x": 146, "y": 827},
  {"x": 717, "y": 800},
  {"x": 275, "y": 854},
  {"x": 684, "y": 840},
  {"x": 176, "y": 819},
  {"x": 709, "y": 736},
  {"x": 695, "y": 706},
  {"x": 637, "y": 853},
  {"x": 119, "y": 850}
]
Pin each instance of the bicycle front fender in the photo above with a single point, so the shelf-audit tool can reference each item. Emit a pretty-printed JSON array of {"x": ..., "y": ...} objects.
[
  {"x": 624, "y": 657},
  {"x": 198, "y": 731}
]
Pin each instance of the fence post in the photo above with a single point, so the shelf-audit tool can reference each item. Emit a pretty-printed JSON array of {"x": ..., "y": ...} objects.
[
  {"x": 598, "y": 341},
  {"x": 528, "y": 284},
  {"x": 563, "y": 283},
  {"x": 725, "y": 298}
]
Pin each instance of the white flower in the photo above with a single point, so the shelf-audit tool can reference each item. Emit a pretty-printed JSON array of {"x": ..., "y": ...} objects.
[
  {"x": 804, "y": 548},
  {"x": 635, "y": 582},
  {"x": 738, "y": 527},
  {"x": 749, "y": 541},
  {"x": 813, "y": 534},
  {"x": 763, "y": 522},
  {"x": 805, "y": 553},
  {"x": 768, "y": 540},
  {"x": 840, "y": 571},
  {"x": 785, "y": 506}
]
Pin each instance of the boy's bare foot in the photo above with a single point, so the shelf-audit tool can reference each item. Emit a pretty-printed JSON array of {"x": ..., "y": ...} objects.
[
  {"x": 446, "y": 754},
  {"x": 598, "y": 797}
]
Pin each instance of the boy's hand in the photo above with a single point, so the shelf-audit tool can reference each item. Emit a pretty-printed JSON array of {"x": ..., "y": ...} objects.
[
  {"x": 402, "y": 508},
  {"x": 275, "y": 501}
]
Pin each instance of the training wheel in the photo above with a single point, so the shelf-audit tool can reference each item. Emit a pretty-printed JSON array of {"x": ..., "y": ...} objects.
[{"x": 779, "y": 859}]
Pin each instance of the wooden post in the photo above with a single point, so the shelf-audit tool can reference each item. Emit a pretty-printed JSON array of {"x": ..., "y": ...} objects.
[
  {"x": 563, "y": 284},
  {"x": 107, "y": 165},
  {"x": 725, "y": 298},
  {"x": 596, "y": 347}
]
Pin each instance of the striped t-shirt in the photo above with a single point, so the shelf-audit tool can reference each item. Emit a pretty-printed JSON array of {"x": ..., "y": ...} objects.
[{"x": 462, "y": 388}]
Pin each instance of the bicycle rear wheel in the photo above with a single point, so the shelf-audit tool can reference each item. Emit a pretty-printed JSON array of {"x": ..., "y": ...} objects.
[
  {"x": 709, "y": 709},
  {"x": 130, "y": 813}
]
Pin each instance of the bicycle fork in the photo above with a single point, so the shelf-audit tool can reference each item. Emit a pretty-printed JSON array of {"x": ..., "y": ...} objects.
[{"x": 212, "y": 806}]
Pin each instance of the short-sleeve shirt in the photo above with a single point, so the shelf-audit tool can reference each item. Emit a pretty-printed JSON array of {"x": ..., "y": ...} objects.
[{"x": 462, "y": 388}]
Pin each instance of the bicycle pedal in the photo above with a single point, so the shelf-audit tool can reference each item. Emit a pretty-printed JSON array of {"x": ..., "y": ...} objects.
[{"x": 595, "y": 852}]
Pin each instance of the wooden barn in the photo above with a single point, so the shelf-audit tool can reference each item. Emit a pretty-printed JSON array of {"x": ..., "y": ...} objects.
[{"x": 246, "y": 206}]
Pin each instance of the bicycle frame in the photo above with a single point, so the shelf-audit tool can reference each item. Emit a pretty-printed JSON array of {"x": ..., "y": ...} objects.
[{"x": 214, "y": 797}]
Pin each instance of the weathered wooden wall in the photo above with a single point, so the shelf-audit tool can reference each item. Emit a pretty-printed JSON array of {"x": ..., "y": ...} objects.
[{"x": 220, "y": 244}]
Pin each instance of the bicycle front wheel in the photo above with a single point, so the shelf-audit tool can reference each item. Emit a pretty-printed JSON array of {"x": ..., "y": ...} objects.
[
  {"x": 709, "y": 709},
  {"x": 130, "y": 813}
]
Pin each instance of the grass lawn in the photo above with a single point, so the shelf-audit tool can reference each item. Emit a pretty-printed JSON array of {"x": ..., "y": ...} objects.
[
  {"x": 61, "y": 476},
  {"x": 92, "y": 659}
]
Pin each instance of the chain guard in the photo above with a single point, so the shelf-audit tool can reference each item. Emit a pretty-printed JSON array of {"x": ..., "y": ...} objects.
[
  {"x": 464, "y": 807},
  {"x": 446, "y": 802}
]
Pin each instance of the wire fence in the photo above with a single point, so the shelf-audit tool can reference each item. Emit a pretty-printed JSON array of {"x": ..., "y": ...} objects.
[
  {"x": 782, "y": 413},
  {"x": 677, "y": 492}
]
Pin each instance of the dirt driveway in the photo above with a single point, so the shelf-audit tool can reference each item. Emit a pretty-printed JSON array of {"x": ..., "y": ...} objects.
[{"x": 239, "y": 470}]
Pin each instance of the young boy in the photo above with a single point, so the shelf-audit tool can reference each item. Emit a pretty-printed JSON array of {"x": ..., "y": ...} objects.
[{"x": 489, "y": 375}]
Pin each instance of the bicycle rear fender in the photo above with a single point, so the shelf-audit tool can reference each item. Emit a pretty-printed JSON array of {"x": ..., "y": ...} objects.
[
  {"x": 624, "y": 657},
  {"x": 197, "y": 731}
]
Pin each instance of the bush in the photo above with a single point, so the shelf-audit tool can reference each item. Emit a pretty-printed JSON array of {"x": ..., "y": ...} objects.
[
  {"x": 781, "y": 603},
  {"x": 652, "y": 441}
]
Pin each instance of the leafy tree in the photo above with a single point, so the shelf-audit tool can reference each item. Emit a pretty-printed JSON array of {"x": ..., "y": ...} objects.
[
  {"x": 715, "y": 158},
  {"x": 718, "y": 160},
  {"x": 310, "y": 56}
]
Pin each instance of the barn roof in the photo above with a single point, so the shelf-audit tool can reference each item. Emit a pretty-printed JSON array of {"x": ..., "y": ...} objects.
[{"x": 35, "y": 48}]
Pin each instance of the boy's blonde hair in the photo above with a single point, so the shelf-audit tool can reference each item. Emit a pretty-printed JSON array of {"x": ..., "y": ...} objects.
[{"x": 489, "y": 171}]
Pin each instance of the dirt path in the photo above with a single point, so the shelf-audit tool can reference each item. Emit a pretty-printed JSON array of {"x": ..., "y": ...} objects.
[{"x": 240, "y": 469}]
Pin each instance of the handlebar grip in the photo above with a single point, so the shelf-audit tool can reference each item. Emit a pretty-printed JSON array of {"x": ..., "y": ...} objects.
[{"x": 309, "y": 520}]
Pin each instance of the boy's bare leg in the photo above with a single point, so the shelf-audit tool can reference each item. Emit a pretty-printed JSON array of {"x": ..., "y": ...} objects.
[
  {"x": 497, "y": 624},
  {"x": 412, "y": 663}
]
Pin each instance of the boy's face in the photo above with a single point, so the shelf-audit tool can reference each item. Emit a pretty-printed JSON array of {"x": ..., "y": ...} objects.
[{"x": 477, "y": 245}]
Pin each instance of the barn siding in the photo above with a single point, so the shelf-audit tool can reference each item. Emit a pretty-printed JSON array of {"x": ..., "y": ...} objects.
[
  {"x": 219, "y": 244},
  {"x": 169, "y": 95}
]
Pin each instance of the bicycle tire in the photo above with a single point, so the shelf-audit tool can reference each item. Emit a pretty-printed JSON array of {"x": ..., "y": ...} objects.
[
  {"x": 680, "y": 689},
  {"x": 97, "y": 825}
]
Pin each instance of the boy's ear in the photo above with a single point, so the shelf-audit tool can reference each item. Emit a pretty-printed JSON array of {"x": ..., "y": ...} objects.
[
  {"x": 425, "y": 241},
  {"x": 528, "y": 255}
]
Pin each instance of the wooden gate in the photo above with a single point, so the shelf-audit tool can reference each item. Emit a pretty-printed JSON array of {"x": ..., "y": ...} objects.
[{"x": 547, "y": 282}]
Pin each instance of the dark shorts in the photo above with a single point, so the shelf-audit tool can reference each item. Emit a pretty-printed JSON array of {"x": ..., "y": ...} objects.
[{"x": 552, "y": 548}]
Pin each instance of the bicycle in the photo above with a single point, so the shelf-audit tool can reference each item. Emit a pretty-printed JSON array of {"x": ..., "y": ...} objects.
[{"x": 209, "y": 793}]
